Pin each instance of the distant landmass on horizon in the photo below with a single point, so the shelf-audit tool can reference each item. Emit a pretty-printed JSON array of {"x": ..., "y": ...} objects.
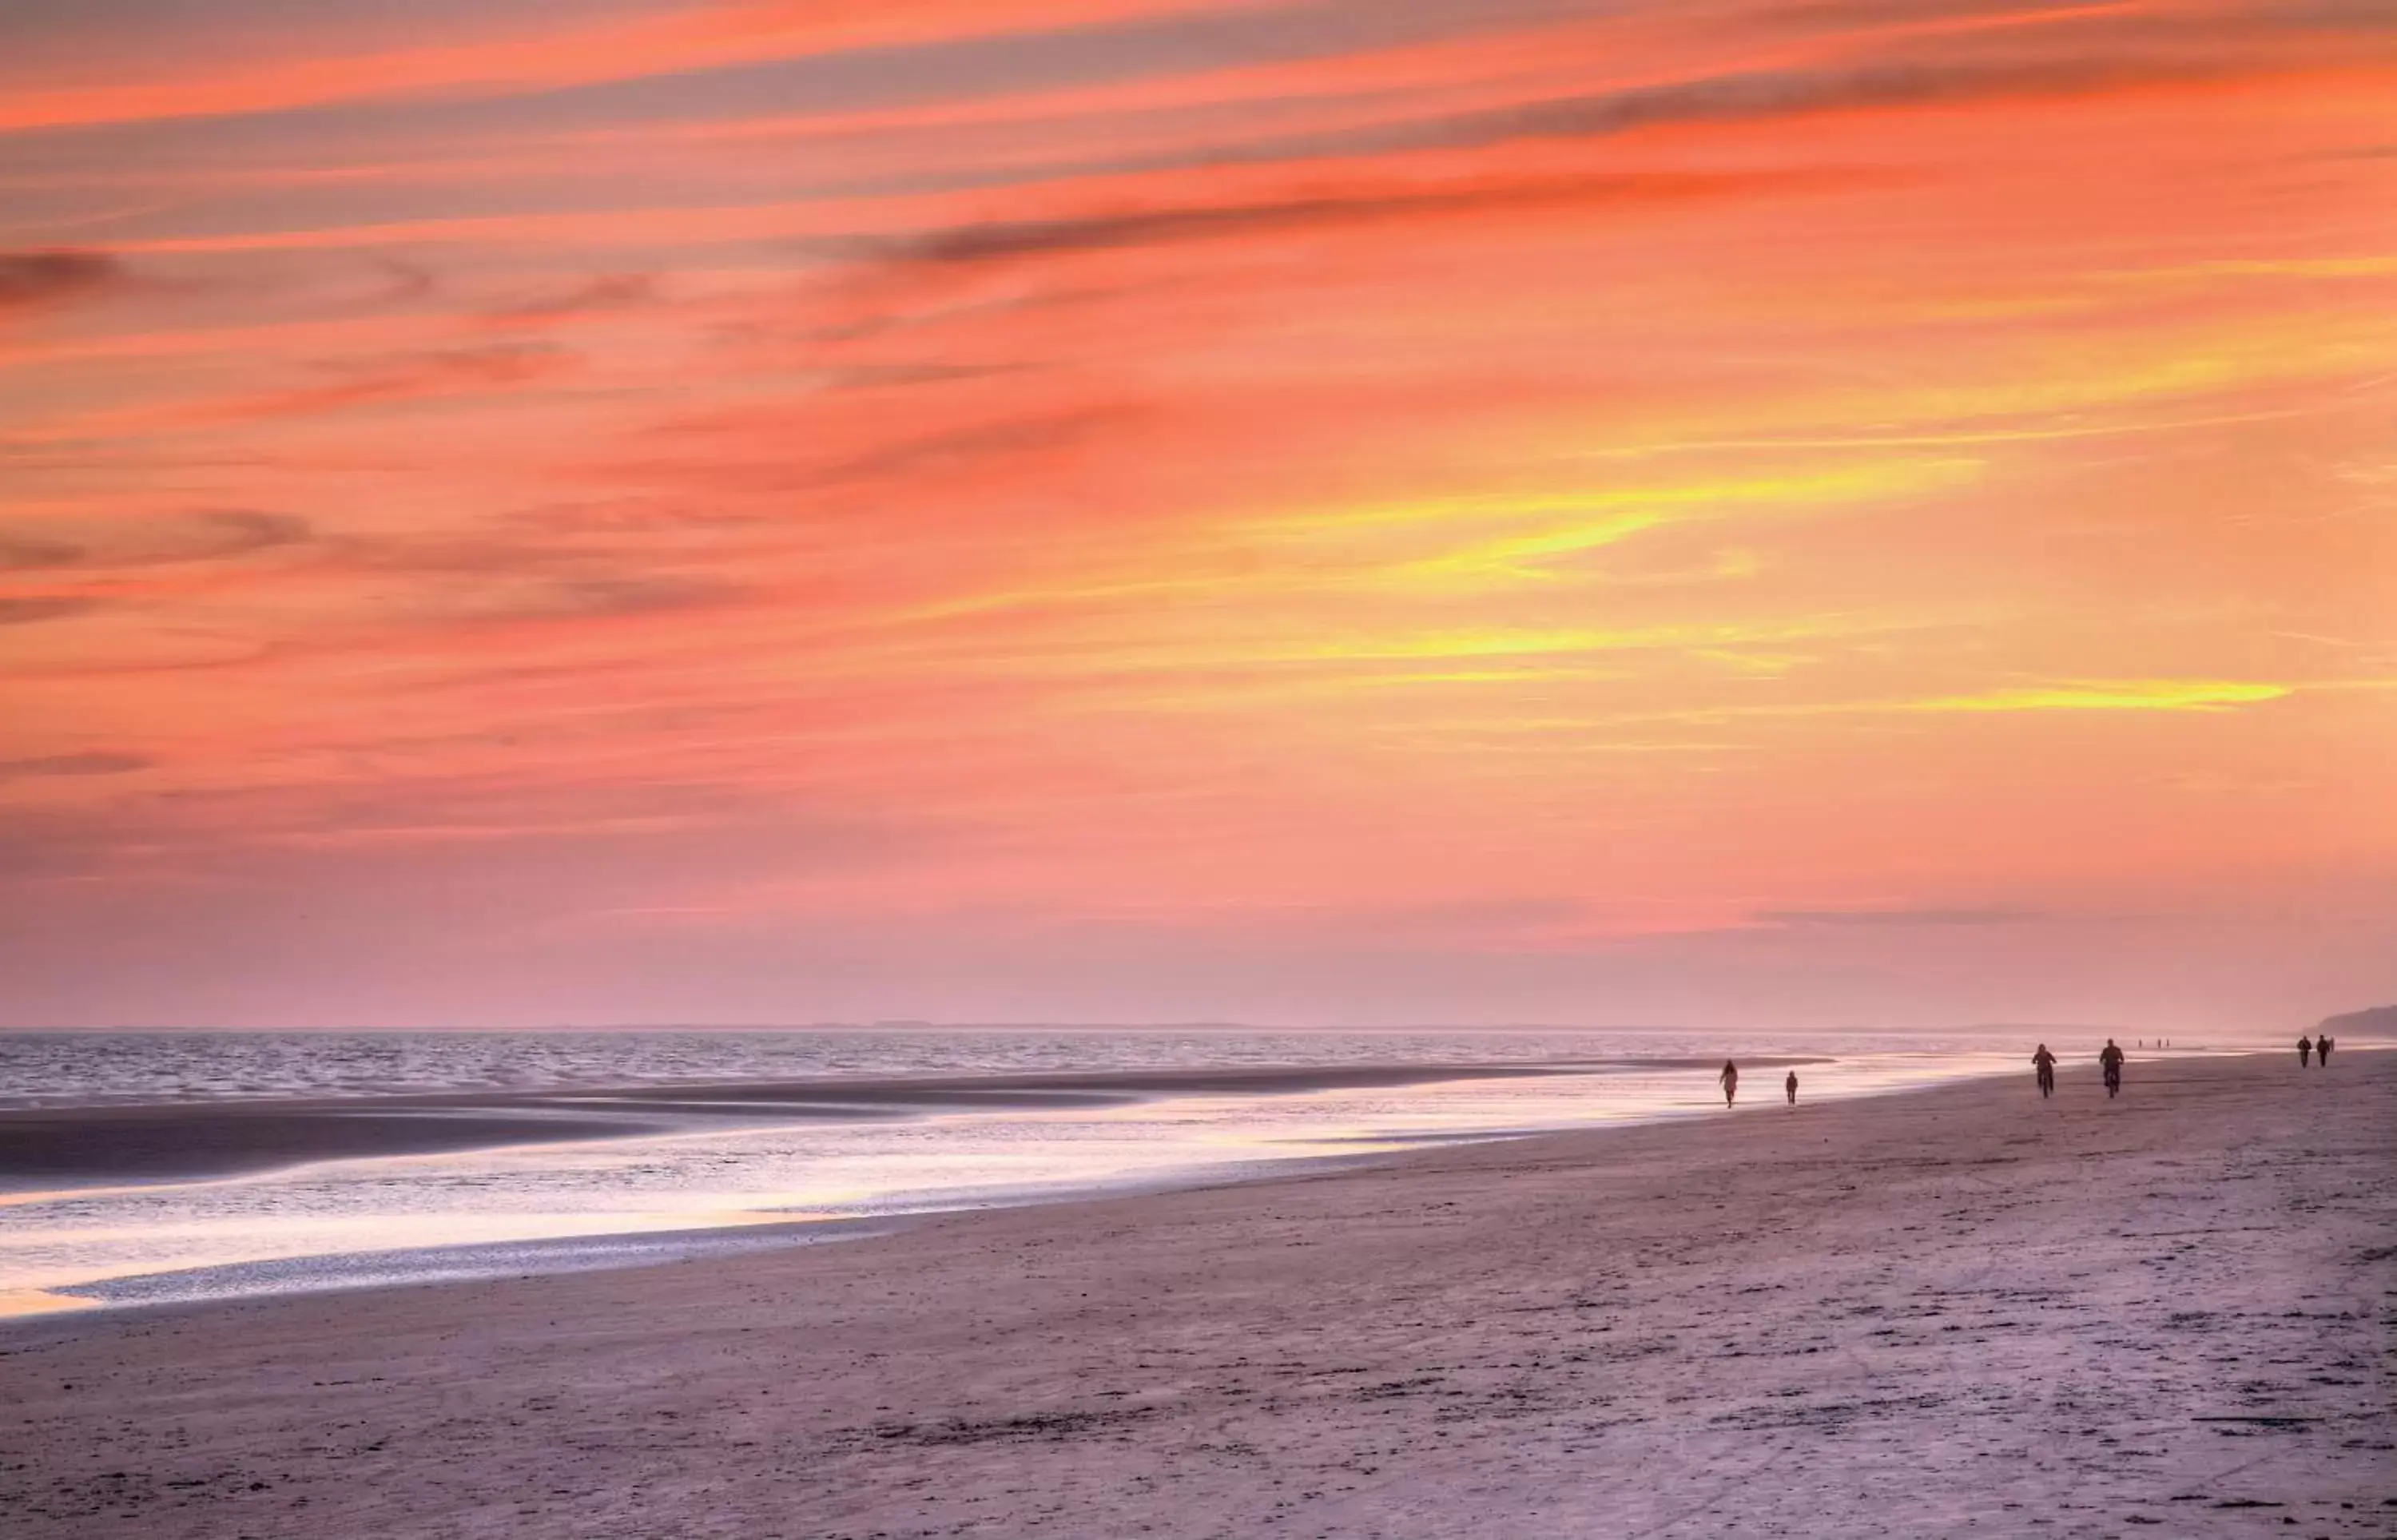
[{"x": 2372, "y": 1021}]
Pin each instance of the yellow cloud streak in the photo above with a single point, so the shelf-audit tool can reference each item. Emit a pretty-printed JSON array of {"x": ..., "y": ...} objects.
[
  {"x": 1871, "y": 481},
  {"x": 2367, "y": 265},
  {"x": 1479, "y": 661},
  {"x": 1237, "y": 559},
  {"x": 1653, "y": 504},
  {"x": 1559, "y": 642},
  {"x": 2136, "y": 695},
  {"x": 2079, "y": 694},
  {"x": 1965, "y": 438},
  {"x": 2041, "y": 395},
  {"x": 2120, "y": 695}
]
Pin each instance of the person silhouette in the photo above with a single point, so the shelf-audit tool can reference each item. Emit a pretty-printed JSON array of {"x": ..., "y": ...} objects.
[
  {"x": 2044, "y": 1062},
  {"x": 2322, "y": 1050},
  {"x": 1790, "y": 1085},
  {"x": 2305, "y": 1052},
  {"x": 1729, "y": 1081},
  {"x": 2109, "y": 1059}
]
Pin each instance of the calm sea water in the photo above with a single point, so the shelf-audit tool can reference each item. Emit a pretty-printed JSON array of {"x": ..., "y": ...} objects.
[
  {"x": 103, "y": 1069},
  {"x": 602, "y": 1202}
]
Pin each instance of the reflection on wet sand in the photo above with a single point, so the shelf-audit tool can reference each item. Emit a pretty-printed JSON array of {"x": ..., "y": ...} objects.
[{"x": 676, "y": 1165}]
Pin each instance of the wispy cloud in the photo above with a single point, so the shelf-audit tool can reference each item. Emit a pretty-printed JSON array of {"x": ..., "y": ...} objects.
[
  {"x": 202, "y": 534},
  {"x": 32, "y": 280},
  {"x": 29, "y": 609},
  {"x": 1901, "y": 917},
  {"x": 94, "y": 761},
  {"x": 448, "y": 372},
  {"x": 1005, "y": 241},
  {"x": 610, "y": 294}
]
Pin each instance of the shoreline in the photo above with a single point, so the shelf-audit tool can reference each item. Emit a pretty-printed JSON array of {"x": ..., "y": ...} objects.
[
  {"x": 608, "y": 1251},
  {"x": 45, "y": 1148},
  {"x": 445, "y": 1264},
  {"x": 748, "y": 1106},
  {"x": 1958, "y": 1303}
]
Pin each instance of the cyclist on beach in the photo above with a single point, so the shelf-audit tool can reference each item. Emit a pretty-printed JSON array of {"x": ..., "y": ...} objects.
[
  {"x": 2305, "y": 1052},
  {"x": 2109, "y": 1059},
  {"x": 1729, "y": 1081},
  {"x": 2044, "y": 1062}
]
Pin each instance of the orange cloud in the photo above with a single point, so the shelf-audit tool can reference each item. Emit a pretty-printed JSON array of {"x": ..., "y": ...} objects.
[{"x": 682, "y": 38}]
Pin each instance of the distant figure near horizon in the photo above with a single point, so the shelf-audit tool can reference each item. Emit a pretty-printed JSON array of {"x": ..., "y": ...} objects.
[
  {"x": 2110, "y": 1060},
  {"x": 2044, "y": 1062},
  {"x": 1790, "y": 1085},
  {"x": 2305, "y": 1052},
  {"x": 2322, "y": 1050},
  {"x": 1729, "y": 1081}
]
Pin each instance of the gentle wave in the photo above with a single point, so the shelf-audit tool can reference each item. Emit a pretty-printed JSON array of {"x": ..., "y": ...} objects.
[{"x": 107, "y": 1068}]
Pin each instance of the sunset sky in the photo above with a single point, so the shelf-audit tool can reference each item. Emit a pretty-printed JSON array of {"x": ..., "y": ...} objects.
[{"x": 1338, "y": 512}]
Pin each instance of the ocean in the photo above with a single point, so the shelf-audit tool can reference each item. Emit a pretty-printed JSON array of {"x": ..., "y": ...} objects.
[{"x": 163, "y": 1167}]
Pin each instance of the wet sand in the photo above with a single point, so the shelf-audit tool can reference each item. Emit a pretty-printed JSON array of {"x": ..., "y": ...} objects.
[
  {"x": 45, "y": 1148},
  {"x": 1953, "y": 1311}
]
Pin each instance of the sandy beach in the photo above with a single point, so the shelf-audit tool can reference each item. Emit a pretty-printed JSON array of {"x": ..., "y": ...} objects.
[{"x": 1958, "y": 1310}]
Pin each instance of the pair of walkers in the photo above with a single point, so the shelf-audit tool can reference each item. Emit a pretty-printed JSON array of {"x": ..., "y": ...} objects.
[
  {"x": 2320, "y": 1050},
  {"x": 2111, "y": 1059},
  {"x": 1729, "y": 1081}
]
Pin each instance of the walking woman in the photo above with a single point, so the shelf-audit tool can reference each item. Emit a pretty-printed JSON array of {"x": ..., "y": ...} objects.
[{"x": 1729, "y": 1081}]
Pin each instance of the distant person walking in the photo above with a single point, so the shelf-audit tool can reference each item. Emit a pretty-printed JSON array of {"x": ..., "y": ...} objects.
[
  {"x": 1790, "y": 1085},
  {"x": 2305, "y": 1052},
  {"x": 2322, "y": 1050},
  {"x": 2044, "y": 1062},
  {"x": 2109, "y": 1059},
  {"x": 1729, "y": 1081}
]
